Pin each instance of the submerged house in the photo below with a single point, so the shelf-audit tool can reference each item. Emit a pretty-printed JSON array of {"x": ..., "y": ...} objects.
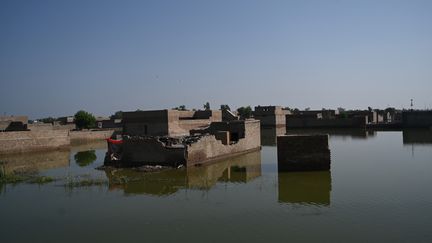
[{"x": 202, "y": 145}]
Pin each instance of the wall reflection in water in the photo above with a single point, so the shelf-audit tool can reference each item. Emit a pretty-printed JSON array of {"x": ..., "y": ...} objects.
[
  {"x": 305, "y": 187},
  {"x": 337, "y": 132},
  {"x": 417, "y": 136},
  {"x": 269, "y": 135},
  {"x": 241, "y": 169},
  {"x": 33, "y": 162}
]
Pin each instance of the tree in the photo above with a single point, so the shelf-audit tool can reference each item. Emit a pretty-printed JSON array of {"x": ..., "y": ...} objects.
[
  {"x": 244, "y": 112},
  {"x": 341, "y": 110},
  {"x": 47, "y": 120},
  {"x": 117, "y": 115},
  {"x": 207, "y": 106},
  {"x": 180, "y": 108},
  {"x": 225, "y": 107},
  {"x": 84, "y": 119}
]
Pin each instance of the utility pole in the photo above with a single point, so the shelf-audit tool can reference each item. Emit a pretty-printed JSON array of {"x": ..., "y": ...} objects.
[{"x": 412, "y": 104}]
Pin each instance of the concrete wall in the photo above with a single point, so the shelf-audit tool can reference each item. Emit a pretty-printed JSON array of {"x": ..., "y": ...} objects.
[
  {"x": 150, "y": 151},
  {"x": 270, "y": 115},
  {"x": 187, "y": 125},
  {"x": 180, "y": 124},
  {"x": 303, "y": 153},
  {"x": 417, "y": 119},
  {"x": 297, "y": 122},
  {"x": 26, "y": 141},
  {"x": 209, "y": 148},
  {"x": 146, "y": 123}
]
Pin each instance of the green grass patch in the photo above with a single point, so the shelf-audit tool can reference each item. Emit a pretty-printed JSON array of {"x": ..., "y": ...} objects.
[{"x": 85, "y": 183}]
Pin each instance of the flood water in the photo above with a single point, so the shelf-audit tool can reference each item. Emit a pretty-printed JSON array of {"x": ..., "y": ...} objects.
[{"x": 377, "y": 190}]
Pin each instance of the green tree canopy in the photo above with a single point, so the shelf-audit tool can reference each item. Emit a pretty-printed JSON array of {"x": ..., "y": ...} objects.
[
  {"x": 84, "y": 119},
  {"x": 47, "y": 120},
  {"x": 245, "y": 112},
  {"x": 207, "y": 106},
  {"x": 180, "y": 108}
]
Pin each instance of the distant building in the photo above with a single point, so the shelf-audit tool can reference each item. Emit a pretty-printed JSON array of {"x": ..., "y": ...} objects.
[
  {"x": 167, "y": 122},
  {"x": 107, "y": 123},
  {"x": 327, "y": 119},
  {"x": 66, "y": 120},
  {"x": 13, "y": 123}
]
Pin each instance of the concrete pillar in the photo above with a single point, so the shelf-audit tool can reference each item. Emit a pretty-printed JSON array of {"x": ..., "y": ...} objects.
[{"x": 303, "y": 153}]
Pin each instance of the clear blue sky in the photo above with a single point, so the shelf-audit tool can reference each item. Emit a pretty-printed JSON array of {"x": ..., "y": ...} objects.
[{"x": 57, "y": 57}]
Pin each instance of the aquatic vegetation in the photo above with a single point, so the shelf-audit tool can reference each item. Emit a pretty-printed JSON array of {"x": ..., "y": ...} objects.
[
  {"x": 41, "y": 180},
  {"x": 87, "y": 182},
  {"x": 12, "y": 178},
  {"x": 24, "y": 178}
]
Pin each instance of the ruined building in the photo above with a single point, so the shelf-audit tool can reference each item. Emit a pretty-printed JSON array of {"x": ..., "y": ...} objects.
[
  {"x": 13, "y": 123},
  {"x": 217, "y": 141}
]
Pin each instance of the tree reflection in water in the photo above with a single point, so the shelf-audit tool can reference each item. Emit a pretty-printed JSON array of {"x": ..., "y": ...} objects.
[{"x": 85, "y": 158}]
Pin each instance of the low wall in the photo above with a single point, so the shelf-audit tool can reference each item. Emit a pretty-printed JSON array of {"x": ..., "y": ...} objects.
[
  {"x": 88, "y": 136},
  {"x": 28, "y": 141},
  {"x": 208, "y": 148},
  {"x": 45, "y": 127},
  {"x": 303, "y": 153}
]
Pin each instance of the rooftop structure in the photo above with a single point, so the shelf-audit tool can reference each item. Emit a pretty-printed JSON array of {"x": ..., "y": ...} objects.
[
  {"x": 270, "y": 115},
  {"x": 167, "y": 122}
]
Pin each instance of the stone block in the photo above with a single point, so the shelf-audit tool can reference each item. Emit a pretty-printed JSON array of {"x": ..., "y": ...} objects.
[{"x": 303, "y": 153}]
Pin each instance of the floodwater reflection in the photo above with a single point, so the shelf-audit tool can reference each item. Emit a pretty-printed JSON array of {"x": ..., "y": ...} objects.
[
  {"x": 337, "y": 132},
  {"x": 240, "y": 169},
  {"x": 33, "y": 162},
  {"x": 269, "y": 135},
  {"x": 417, "y": 136},
  {"x": 305, "y": 187}
]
